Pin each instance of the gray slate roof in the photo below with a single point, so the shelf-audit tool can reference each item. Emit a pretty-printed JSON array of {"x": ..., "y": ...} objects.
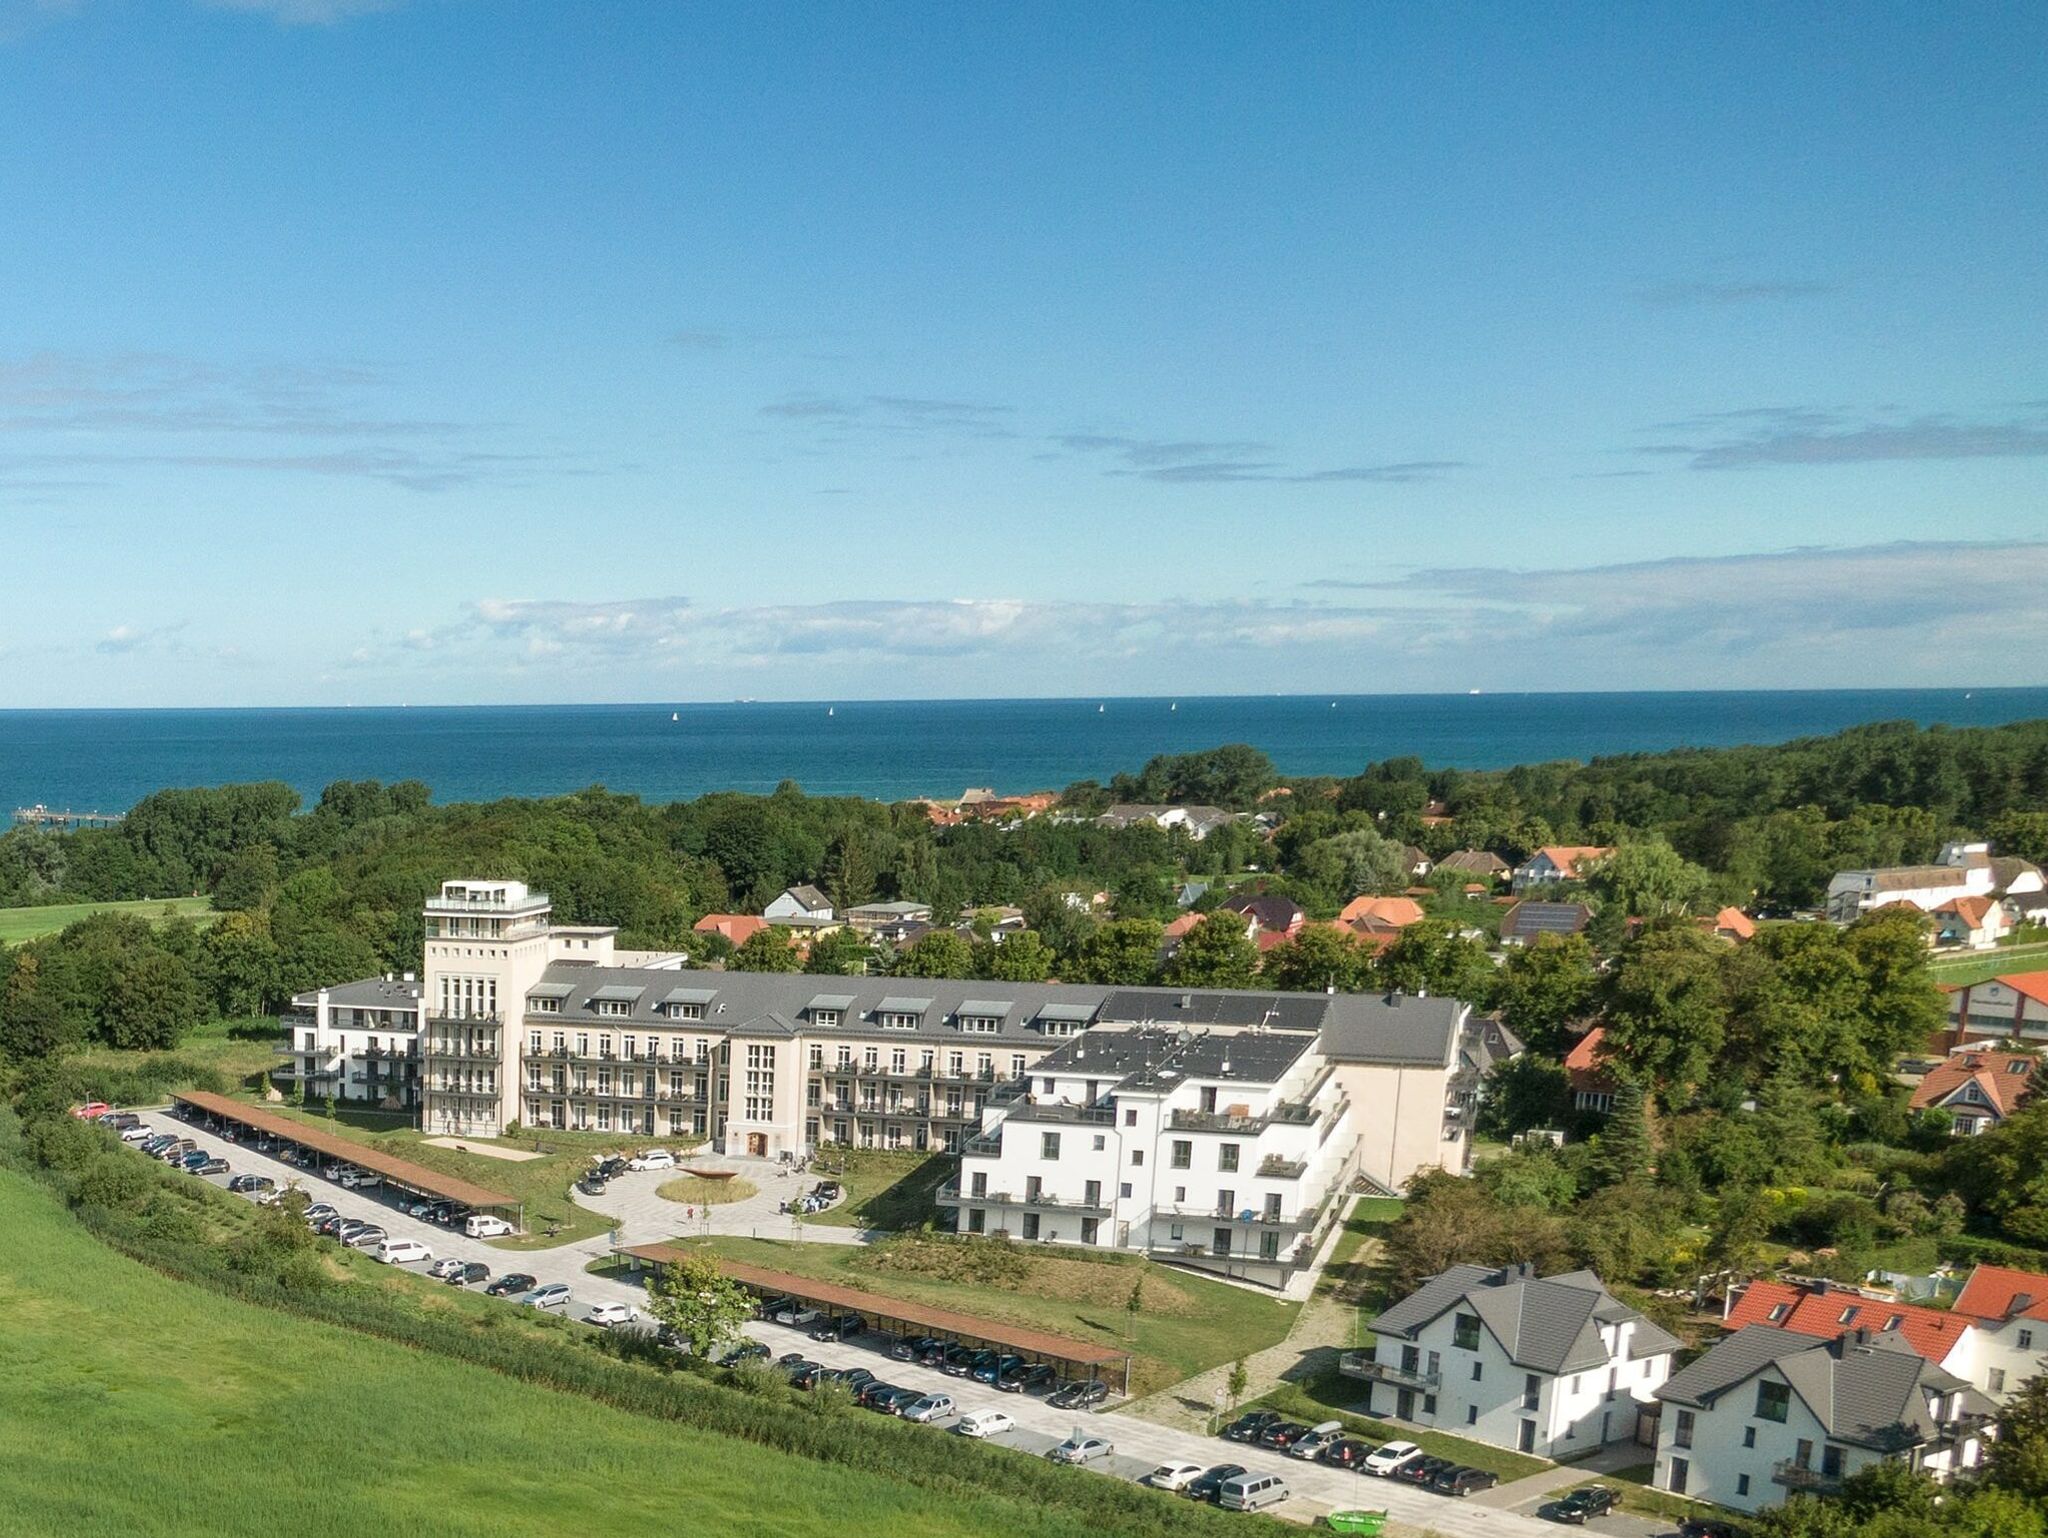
[
  {"x": 1548, "y": 1324},
  {"x": 1157, "y": 1060},
  {"x": 366, "y": 993},
  {"x": 1871, "y": 1391}
]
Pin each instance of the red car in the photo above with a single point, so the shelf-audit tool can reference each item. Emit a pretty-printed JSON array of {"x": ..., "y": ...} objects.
[{"x": 91, "y": 1109}]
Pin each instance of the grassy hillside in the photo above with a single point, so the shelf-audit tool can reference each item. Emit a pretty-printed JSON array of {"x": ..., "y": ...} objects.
[
  {"x": 19, "y": 924},
  {"x": 154, "y": 1407}
]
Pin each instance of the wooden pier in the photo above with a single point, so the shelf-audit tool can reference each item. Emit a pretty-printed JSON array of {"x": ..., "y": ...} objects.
[{"x": 40, "y": 816}]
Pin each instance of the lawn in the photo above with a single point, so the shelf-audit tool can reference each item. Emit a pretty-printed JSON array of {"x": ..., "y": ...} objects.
[
  {"x": 696, "y": 1191},
  {"x": 1348, "y": 1277},
  {"x": 1186, "y": 1323},
  {"x": 1638, "y": 1495},
  {"x": 895, "y": 1191},
  {"x": 1331, "y": 1397},
  {"x": 19, "y": 924},
  {"x": 2032, "y": 956},
  {"x": 238, "y": 1050},
  {"x": 153, "y": 1407}
]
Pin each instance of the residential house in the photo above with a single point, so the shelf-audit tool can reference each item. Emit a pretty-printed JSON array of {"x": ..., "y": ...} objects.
[
  {"x": 1585, "y": 1069},
  {"x": 1555, "y": 1366},
  {"x": 2026, "y": 908},
  {"x": 1554, "y": 864},
  {"x": 1853, "y": 893},
  {"x": 2008, "y": 1312},
  {"x": 1435, "y": 814},
  {"x": 2010, "y": 1007},
  {"x": 1974, "y": 923},
  {"x": 737, "y": 928},
  {"x": 1484, "y": 1045},
  {"x": 1730, "y": 924},
  {"x": 1769, "y": 1412},
  {"x": 871, "y": 918},
  {"x": 1275, "y": 915},
  {"x": 355, "y": 1041},
  {"x": 1198, "y": 822},
  {"x": 800, "y": 905},
  {"x": 1479, "y": 863},
  {"x": 1395, "y": 912},
  {"x": 1828, "y": 1310},
  {"x": 1188, "y": 893},
  {"x": 1414, "y": 863},
  {"x": 1525, "y": 919},
  {"x": 1979, "y": 1088}
]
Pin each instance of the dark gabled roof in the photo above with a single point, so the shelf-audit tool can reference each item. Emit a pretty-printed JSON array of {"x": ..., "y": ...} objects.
[
  {"x": 1154, "y": 1059},
  {"x": 366, "y": 993},
  {"x": 616, "y": 993},
  {"x": 1547, "y": 1324},
  {"x": 1869, "y": 1390},
  {"x": 1544, "y": 918},
  {"x": 809, "y": 896}
]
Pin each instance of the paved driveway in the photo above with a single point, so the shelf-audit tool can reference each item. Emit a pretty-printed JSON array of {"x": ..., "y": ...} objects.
[
  {"x": 648, "y": 1218},
  {"x": 1140, "y": 1445}
]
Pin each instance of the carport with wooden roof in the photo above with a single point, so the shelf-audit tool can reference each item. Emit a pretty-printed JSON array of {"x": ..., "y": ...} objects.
[
  {"x": 903, "y": 1318},
  {"x": 401, "y": 1173}
]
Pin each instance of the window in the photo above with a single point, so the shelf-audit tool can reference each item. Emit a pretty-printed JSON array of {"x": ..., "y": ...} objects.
[
  {"x": 1016, "y": 1064},
  {"x": 1429, "y": 1404},
  {"x": 1681, "y": 1431},
  {"x": 1175, "y": 1232},
  {"x": 1779, "y": 1311},
  {"x": 1741, "y": 1484},
  {"x": 1471, "y": 1414},
  {"x": 1478, "y": 1371},
  {"x": 1130, "y": 1117},
  {"x": 1680, "y": 1468},
  {"x": 1773, "y": 1402},
  {"x": 1183, "y": 1154},
  {"x": 894, "y": 1021},
  {"x": 1101, "y": 1142},
  {"x": 686, "y": 1011},
  {"x": 818, "y": 1054},
  {"x": 1465, "y": 1332},
  {"x": 1532, "y": 1391},
  {"x": 825, "y": 1019},
  {"x": 896, "y": 1060},
  {"x": 1031, "y": 1225},
  {"x": 2026, "y": 1340},
  {"x": 1749, "y": 1436},
  {"x": 1180, "y": 1195},
  {"x": 1137, "y": 1157},
  {"x": 984, "y": 1025},
  {"x": 1994, "y": 1381},
  {"x": 1048, "y": 1145},
  {"x": 1123, "y": 1190},
  {"x": 1226, "y": 1158}
]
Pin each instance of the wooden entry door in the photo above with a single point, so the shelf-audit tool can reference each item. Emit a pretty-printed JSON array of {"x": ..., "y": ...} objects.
[{"x": 757, "y": 1144}]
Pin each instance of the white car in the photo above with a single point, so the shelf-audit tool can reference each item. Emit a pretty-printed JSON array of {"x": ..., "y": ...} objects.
[
  {"x": 1080, "y": 1449},
  {"x": 986, "y": 1423},
  {"x": 1173, "y": 1476},
  {"x": 653, "y": 1159},
  {"x": 360, "y": 1180},
  {"x": 137, "y": 1134},
  {"x": 552, "y": 1295},
  {"x": 931, "y": 1408},
  {"x": 609, "y": 1314},
  {"x": 481, "y": 1225},
  {"x": 397, "y": 1252},
  {"x": 1386, "y": 1459}
]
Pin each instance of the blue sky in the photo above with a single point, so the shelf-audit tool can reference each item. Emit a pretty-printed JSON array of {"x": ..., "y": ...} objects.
[{"x": 449, "y": 350}]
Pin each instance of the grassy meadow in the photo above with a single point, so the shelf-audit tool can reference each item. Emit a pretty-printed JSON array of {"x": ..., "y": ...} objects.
[
  {"x": 135, "y": 1404},
  {"x": 19, "y": 924},
  {"x": 884, "y": 1189}
]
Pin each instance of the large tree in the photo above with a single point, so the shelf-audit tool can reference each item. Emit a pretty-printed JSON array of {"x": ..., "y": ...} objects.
[
  {"x": 1544, "y": 987},
  {"x": 1317, "y": 958},
  {"x": 1214, "y": 954},
  {"x": 704, "y": 1306},
  {"x": 1124, "y": 951}
]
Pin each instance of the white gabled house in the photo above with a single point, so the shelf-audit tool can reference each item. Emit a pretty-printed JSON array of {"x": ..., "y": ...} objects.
[
  {"x": 1770, "y": 1412},
  {"x": 1555, "y": 1366},
  {"x": 2008, "y": 1312},
  {"x": 801, "y": 904}
]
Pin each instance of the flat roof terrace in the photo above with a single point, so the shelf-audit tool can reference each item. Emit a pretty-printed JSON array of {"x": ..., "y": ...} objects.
[
  {"x": 403, "y": 1173},
  {"x": 921, "y": 1318}
]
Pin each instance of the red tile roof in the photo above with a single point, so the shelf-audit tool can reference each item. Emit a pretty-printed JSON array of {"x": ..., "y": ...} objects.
[
  {"x": 1568, "y": 857},
  {"x": 2004, "y": 1078},
  {"x": 736, "y": 927},
  {"x": 1830, "y": 1312},
  {"x": 1398, "y": 911},
  {"x": 1992, "y": 1291},
  {"x": 1586, "y": 1064},
  {"x": 1733, "y": 921}
]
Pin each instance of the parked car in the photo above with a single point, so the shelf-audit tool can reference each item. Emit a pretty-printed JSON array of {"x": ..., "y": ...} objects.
[
  {"x": 1173, "y": 1476},
  {"x": 1390, "y": 1457},
  {"x": 1319, "y": 1437},
  {"x": 992, "y": 1372},
  {"x": 511, "y": 1284},
  {"x": 1592, "y": 1501},
  {"x": 1423, "y": 1471},
  {"x": 855, "y": 1378},
  {"x": 746, "y": 1351},
  {"x": 870, "y": 1391},
  {"x": 444, "y": 1268},
  {"x": 652, "y": 1159},
  {"x": 470, "y": 1272},
  {"x": 1347, "y": 1453},
  {"x": 1028, "y": 1375},
  {"x": 1252, "y": 1491},
  {"x": 191, "y": 1159},
  {"x": 800, "y": 1318},
  {"x": 360, "y": 1180},
  {"x": 1463, "y": 1479},
  {"x": 927, "y": 1408},
  {"x": 368, "y": 1237},
  {"x": 896, "y": 1400},
  {"x": 591, "y": 1185},
  {"x": 1250, "y": 1426},
  {"x": 399, "y": 1252},
  {"x": 210, "y": 1167},
  {"x": 1282, "y": 1435},
  {"x": 136, "y": 1134},
  {"x": 481, "y": 1225},
  {"x": 801, "y": 1370},
  {"x": 968, "y": 1365},
  {"x": 1079, "y": 1449},
  {"x": 828, "y": 1191},
  {"x": 845, "y": 1327},
  {"x": 985, "y": 1423},
  {"x": 332, "y": 1225},
  {"x": 768, "y": 1308},
  {"x": 1083, "y": 1394},
  {"x": 612, "y": 1168},
  {"x": 251, "y": 1183},
  {"x": 91, "y": 1109},
  {"x": 421, "y": 1209},
  {"x": 316, "y": 1213},
  {"x": 1209, "y": 1484},
  {"x": 609, "y": 1314},
  {"x": 553, "y": 1295},
  {"x": 156, "y": 1142},
  {"x": 912, "y": 1348}
]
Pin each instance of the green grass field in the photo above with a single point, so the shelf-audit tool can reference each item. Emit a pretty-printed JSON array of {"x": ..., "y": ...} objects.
[
  {"x": 137, "y": 1405},
  {"x": 238, "y": 1050},
  {"x": 1188, "y": 1323},
  {"x": 1348, "y": 1277},
  {"x": 2031, "y": 956},
  {"x": 883, "y": 1189},
  {"x": 19, "y": 924}
]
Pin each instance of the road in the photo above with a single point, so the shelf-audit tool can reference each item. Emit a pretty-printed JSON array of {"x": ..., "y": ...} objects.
[{"x": 1140, "y": 1445}]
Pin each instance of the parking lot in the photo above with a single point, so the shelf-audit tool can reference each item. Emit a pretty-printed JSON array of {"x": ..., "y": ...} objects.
[{"x": 1140, "y": 1446}]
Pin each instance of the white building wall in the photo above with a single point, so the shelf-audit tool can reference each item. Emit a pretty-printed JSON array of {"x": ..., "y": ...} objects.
[
  {"x": 2006, "y": 1356},
  {"x": 1399, "y": 1113}
]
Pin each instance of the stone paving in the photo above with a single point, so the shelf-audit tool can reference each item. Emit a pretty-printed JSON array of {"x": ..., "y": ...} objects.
[{"x": 648, "y": 1218}]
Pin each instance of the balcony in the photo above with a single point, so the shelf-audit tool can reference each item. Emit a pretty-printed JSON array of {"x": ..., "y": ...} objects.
[
  {"x": 476, "y": 1017},
  {"x": 1061, "y": 1112},
  {"x": 1045, "y": 1201},
  {"x": 986, "y": 1145},
  {"x": 1795, "y": 1476},
  {"x": 492, "y": 905},
  {"x": 471, "y": 1052},
  {"x": 1362, "y": 1364}
]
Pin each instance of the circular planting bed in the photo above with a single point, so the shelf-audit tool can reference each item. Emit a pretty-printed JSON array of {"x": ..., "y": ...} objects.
[{"x": 698, "y": 1190}]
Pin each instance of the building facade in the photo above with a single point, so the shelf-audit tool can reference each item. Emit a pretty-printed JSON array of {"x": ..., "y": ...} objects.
[
  {"x": 355, "y": 1042},
  {"x": 2011, "y": 1007}
]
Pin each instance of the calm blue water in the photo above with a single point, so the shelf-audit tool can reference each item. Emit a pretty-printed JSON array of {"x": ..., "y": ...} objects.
[{"x": 108, "y": 759}]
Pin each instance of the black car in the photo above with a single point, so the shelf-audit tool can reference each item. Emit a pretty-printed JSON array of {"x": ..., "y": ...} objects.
[
  {"x": 611, "y": 1169},
  {"x": 789, "y": 1361},
  {"x": 251, "y": 1183},
  {"x": 809, "y": 1375},
  {"x": 800, "y": 1370},
  {"x": 845, "y": 1327},
  {"x": 1208, "y": 1485},
  {"x": 1463, "y": 1479},
  {"x": 770, "y": 1307},
  {"x": 912, "y": 1349},
  {"x": 866, "y": 1395},
  {"x": 1085, "y": 1394},
  {"x": 1423, "y": 1471},
  {"x": 992, "y": 1372},
  {"x": 210, "y": 1167},
  {"x": 960, "y": 1361},
  {"x": 472, "y": 1272},
  {"x": 1593, "y": 1501},
  {"x": 1347, "y": 1453},
  {"x": 1250, "y": 1426},
  {"x": 1281, "y": 1435},
  {"x": 440, "y": 1212},
  {"x": 894, "y": 1401},
  {"x": 511, "y": 1284},
  {"x": 828, "y": 1190},
  {"x": 1032, "y": 1376},
  {"x": 746, "y": 1351},
  {"x": 855, "y": 1378}
]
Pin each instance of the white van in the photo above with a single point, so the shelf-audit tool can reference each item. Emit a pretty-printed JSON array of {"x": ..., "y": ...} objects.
[
  {"x": 1252, "y": 1492},
  {"x": 481, "y": 1225},
  {"x": 396, "y": 1252}
]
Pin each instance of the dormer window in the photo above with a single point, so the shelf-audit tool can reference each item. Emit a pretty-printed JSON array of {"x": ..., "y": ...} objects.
[
  {"x": 980, "y": 1024},
  {"x": 825, "y": 1019},
  {"x": 686, "y": 1011},
  {"x": 895, "y": 1020},
  {"x": 544, "y": 1006}
]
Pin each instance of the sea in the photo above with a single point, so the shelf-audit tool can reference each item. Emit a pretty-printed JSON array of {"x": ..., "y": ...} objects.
[{"x": 106, "y": 760}]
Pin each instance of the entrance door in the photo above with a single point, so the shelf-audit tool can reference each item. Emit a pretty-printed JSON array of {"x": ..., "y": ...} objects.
[
  {"x": 1526, "y": 1442},
  {"x": 1404, "y": 1404},
  {"x": 757, "y": 1144}
]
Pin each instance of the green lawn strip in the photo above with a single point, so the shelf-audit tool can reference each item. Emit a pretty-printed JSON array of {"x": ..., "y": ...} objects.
[
  {"x": 1638, "y": 1495},
  {"x": 1331, "y": 1396},
  {"x": 2031, "y": 956},
  {"x": 1348, "y": 1277},
  {"x": 884, "y": 1189},
  {"x": 19, "y": 924},
  {"x": 173, "y": 1428},
  {"x": 1209, "y": 1322}
]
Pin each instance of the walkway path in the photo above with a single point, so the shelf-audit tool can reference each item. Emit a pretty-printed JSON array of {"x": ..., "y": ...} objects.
[
  {"x": 1518, "y": 1493},
  {"x": 647, "y": 1217}
]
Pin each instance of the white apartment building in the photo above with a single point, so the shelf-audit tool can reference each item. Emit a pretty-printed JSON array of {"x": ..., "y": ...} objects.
[
  {"x": 1555, "y": 1366},
  {"x": 355, "y": 1042},
  {"x": 1769, "y": 1413},
  {"x": 2008, "y": 1314},
  {"x": 1227, "y": 1149}
]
